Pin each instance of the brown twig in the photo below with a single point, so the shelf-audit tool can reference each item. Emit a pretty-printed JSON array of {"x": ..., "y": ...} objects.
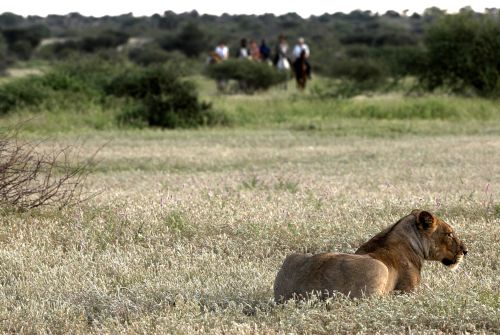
[{"x": 30, "y": 178}]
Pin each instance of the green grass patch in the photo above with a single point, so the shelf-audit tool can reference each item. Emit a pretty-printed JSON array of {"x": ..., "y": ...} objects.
[
  {"x": 80, "y": 109},
  {"x": 262, "y": 110}
]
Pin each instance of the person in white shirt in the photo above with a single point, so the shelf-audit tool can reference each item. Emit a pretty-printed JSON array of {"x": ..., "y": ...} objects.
[
  {"x": 222, "y": 51},
  {"x": 300, "y": 48},
  {"x": 243, "y": 50},
  {"x": 297, "y": 50}
]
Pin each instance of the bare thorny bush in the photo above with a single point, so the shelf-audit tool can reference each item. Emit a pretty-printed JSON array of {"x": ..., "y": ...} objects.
[{"x": 30, "y": 177}]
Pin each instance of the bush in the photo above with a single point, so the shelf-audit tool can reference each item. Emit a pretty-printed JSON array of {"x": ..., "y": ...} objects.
[
  {"x": 22, "y": 41},
  {"x": 397, "y": 61},
  {"x": 463, "y": 53},
  {"x": 153, "y": 54},
  {"x": 366, "y": 71},
  {"x": 191, "y": 40},
  {"x": 154, "y": 96},
  {"x": 159, "y": 97},
  {"x": 89, "y": 75},
  {"x": 104, "y": 40},
  {"x": 252, "y": 76},
  {"x": 70, "y": 83},
  {"x": 20, "y": 93}
]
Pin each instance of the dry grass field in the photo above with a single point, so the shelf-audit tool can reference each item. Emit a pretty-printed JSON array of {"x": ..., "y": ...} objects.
[{"x": 187, "y": 230}]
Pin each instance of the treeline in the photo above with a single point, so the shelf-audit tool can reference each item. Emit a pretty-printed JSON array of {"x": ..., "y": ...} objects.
[
  {"x": 194, "y": 34},
  {"x": 364, "y": 50}
]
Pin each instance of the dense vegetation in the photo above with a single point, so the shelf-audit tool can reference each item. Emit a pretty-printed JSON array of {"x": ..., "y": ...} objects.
[
  {"x": 155, "y": 95},
  {"x": 159, "y": 98},
  {"x": 463, "y": 53},
  {"x": 360, "y": 53},
  {"x": 357, "y": 45}
]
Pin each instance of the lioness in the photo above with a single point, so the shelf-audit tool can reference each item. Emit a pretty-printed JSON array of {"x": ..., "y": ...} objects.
[{"x": 390, "y": 261}]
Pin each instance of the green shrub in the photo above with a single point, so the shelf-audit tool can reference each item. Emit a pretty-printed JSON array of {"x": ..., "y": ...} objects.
[
  {"x": 463, "y": 53},
  {"x": 252, "y": 76},
  {"x": 104, "y": 40},
  {"x": 88, "y": 75},
  {"x": 191, "y": 40},
  {"x": 397, "y": 61},
  {"x": 22, "y": 41},
  {"x": 67, "y": 84},
  {"x": 20, "y": 93},
  {"x": 159, "y": 97},
  {"x": 97, "y": 43},
  {"x": 401, "y": 61},
  {"x": 359, "y": 70},
  {"x": 154, "y": 96},
  {"x": 153, "y": 54}
]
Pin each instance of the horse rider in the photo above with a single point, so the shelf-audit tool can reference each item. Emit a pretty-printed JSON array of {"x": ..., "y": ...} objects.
[
  {"x": 243, "y": 51},
  {"x": 222, "y": 50},
  {"x": 300, "y": 47},
  {"x": 265, "y": 52},
  {"x": 281, "y": 60}
]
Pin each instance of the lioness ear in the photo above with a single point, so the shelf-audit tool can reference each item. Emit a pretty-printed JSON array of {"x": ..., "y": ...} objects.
[{"x": 425, "y": 220}]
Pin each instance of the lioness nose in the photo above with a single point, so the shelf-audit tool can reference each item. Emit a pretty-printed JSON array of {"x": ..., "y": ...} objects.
[{"x": 464, "y": 249}]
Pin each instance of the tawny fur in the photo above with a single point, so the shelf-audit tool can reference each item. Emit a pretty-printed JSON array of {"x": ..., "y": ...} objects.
[{"x": 390, "y": 261}]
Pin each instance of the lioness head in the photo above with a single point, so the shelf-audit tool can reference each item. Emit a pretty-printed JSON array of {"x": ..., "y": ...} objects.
[{"x": 444, "y": 244}]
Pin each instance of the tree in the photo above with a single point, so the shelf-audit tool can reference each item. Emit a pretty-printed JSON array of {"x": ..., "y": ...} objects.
[
  {"x": 463, "y": 52},
  {"x": 22, "y": 41},
  {"x": 9, "y": 20},
  {"x": 191, "y": 40}
]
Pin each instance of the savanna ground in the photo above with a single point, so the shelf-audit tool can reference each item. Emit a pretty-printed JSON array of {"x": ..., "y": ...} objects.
[{"x": 187, "y": 228}]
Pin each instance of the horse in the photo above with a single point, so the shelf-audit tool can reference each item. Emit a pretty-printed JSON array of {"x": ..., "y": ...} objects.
[
  {"x": 214, "y": 58},
  {"x": 282, "y": 64},
  {"x": 300, "y": 67}
]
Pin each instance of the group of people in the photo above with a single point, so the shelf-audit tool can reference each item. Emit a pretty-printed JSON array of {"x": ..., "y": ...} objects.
[
  {"x": 282, "y": 59},
  {"x": 253, "y": 51}
]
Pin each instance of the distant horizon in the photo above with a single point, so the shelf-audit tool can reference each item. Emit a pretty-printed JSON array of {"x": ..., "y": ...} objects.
[{"x": 257, "y": 7}]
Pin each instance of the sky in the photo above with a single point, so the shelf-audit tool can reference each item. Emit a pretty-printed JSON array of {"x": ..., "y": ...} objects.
[{"x": 304, "y": 8}]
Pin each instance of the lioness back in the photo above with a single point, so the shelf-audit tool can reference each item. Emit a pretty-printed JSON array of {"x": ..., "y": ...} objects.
[{"x": 325, "y": 273}]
